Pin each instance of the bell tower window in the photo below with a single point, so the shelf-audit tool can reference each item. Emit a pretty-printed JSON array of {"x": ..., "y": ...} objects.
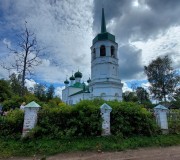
[
  {"x": 112, "y": 51},
  {"x": 94, "y": 54},
  {"x": 102, "y": 50}
]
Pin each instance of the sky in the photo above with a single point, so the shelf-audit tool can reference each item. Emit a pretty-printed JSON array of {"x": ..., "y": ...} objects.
[{"x": 144, "y": 30}]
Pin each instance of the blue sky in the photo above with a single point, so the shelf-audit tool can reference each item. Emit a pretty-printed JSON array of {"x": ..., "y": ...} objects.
[{"x": 144, "y": 29}]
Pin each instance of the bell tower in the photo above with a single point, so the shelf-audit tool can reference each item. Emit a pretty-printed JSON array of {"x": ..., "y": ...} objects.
[{"x": 105, "y": 80}]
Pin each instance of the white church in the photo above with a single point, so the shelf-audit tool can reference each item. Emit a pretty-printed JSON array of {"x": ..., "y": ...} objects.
[{"x": 105, "y": 81}]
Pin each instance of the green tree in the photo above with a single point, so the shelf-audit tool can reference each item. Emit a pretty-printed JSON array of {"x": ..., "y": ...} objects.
[
  {"x": 142, "y": 95},
  {"x": 50, "y": 92},
  {"x": 15, "y": 82},
  {"x": 130, "y": 96},
  {"x": 162, "y": 78},
  {"x": 5, "y": 90},
  {"x": 40, "y": 92}
]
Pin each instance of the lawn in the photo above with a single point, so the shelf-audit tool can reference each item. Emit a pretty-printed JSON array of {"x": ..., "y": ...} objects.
[{"x": 45, "y": 146}]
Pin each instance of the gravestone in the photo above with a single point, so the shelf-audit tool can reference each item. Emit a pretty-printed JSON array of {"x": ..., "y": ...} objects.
[
  {"x": 161, "y": 117},
  {"x": 30, "y": 117},
  {"x": 105, "y": 114}
]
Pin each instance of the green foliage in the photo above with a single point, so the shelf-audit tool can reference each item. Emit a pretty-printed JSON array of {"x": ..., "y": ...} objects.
[
  {"x": 54, "y": 102},
  {"x": 14, "y": 102},
  {"x": 130, "y": 97},
  {"x": 11, "y": 124},
  {"x": 131, "y": 119},
  {"x": 39, "y": 91},
  {"x": 142, "y": 95},
  {"x": 174, "y": 121},
  {"x": 5, "y": 90},
  {"x": 84, "y": 119},
  {"x": 50, "y": 92},
  {"x": 80, "y": 120},
  {"x": 162, "y": 78}
]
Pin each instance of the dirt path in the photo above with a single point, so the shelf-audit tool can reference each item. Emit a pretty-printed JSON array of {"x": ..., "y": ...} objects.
[{"x": 169, "y": 153}]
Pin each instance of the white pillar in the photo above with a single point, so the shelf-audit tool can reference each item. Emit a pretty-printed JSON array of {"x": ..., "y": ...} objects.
[
  {"x": 30, "y": 117},
  {"x": 105, "y": 113},
  {"x": 161, "y": 117}
]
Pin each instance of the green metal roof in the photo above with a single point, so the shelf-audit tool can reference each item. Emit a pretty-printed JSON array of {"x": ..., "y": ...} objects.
[
  {"x": 77, "y": 85},
  {"x": 82, "y": 91},
  {"x": 32, "y": 104},
  {"x": 104, "y": 35}
]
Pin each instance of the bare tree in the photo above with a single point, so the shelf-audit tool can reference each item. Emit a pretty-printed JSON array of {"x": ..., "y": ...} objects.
[{"x": 27, "y": 55}]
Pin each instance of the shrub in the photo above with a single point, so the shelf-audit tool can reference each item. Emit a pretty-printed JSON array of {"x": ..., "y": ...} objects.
[
  {"x": 129, "y": 119},
  {"x": 12, "y": 124},
  {"x": 81, "y": 120},
  {"x": 174, "y": 121}
]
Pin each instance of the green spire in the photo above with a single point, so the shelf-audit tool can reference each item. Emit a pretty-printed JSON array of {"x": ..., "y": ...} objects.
[{"x": 103, "y": 22}]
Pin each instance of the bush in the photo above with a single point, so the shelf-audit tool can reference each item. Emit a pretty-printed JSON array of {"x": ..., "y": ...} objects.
[
  {"x": 129, "y": 119},
  {"x": 11, "y": 125},
  {"x": 81, "y": 120},
  {"x": 174, "y": 121}
]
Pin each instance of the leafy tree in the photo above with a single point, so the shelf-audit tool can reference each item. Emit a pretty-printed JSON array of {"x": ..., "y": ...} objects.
[
  {"x": 130, "y": 96},
  {"x": 142, "y": 95},
  {"x": 40, "y": 92},
  {"x": 162, "y": 78},
  {"x": 5, "y": 90},
  {"x": 50, "y": 92},
  {"x": 176, "y": 98},
  {"x": 26, "y": 55},
  {"x": 15, "y": 83}
]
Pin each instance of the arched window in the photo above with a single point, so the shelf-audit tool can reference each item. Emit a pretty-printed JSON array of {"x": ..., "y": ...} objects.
[
  {"x": 116, "y": 96},
  {"x": 94, "y": 54},
  {"x": 103, "y": 94},
  {"x": 112, "y": 51},
  {"x": 102, "y": 50}
]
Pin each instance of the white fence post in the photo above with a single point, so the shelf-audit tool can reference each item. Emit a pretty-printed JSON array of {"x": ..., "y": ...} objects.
[
  {"x": 30, "y": 117},
  {"x": 161, "y": 118},
  {"x": 105, "y": 113}
]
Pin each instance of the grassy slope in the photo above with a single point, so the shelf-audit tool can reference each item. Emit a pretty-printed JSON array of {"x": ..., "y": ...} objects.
[{"x": 52, "y": 146}]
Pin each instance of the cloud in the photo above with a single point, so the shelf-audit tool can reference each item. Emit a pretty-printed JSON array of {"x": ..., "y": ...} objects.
[
  {"x": 144, "y": 29},
  {"x": 58, "y": 91},
  {"x": 126, "y": 87},
  {"x": 64, "y": 28},
  {"x": 154, "y": 24},
  {"x": 130, "y": 62},
  {"x": 30, "y": 83},
  {"x": 141, "y": 21}
]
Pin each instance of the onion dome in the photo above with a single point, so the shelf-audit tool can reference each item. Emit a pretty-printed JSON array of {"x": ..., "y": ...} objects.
[
  {"x": 66, "y": 82},
  {"x": 78, "y": 74},
  {"x": 89, "y": 80},
  {"x": 72, "y": 78}
]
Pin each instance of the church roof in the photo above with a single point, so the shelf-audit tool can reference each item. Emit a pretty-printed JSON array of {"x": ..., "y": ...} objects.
[
  {"x": 72, "y": 78},
  {"x": 82, "y": 91},
  {"x": 104, "y": 35},
  {"x": 78, "y": 74},
  {"x": 66, "y": 82}
]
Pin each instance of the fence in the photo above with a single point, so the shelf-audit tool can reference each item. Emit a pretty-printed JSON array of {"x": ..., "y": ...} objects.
[{"x": 174, "y": 121}]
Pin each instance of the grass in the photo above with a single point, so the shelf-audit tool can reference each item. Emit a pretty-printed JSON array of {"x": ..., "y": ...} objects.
[{"x": 47, "y": 147}]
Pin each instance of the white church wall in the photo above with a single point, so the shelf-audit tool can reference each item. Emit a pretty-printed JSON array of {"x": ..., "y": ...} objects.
[
  {"x": 78, "y": 97},
  {"x": 107, "y": 92}
]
